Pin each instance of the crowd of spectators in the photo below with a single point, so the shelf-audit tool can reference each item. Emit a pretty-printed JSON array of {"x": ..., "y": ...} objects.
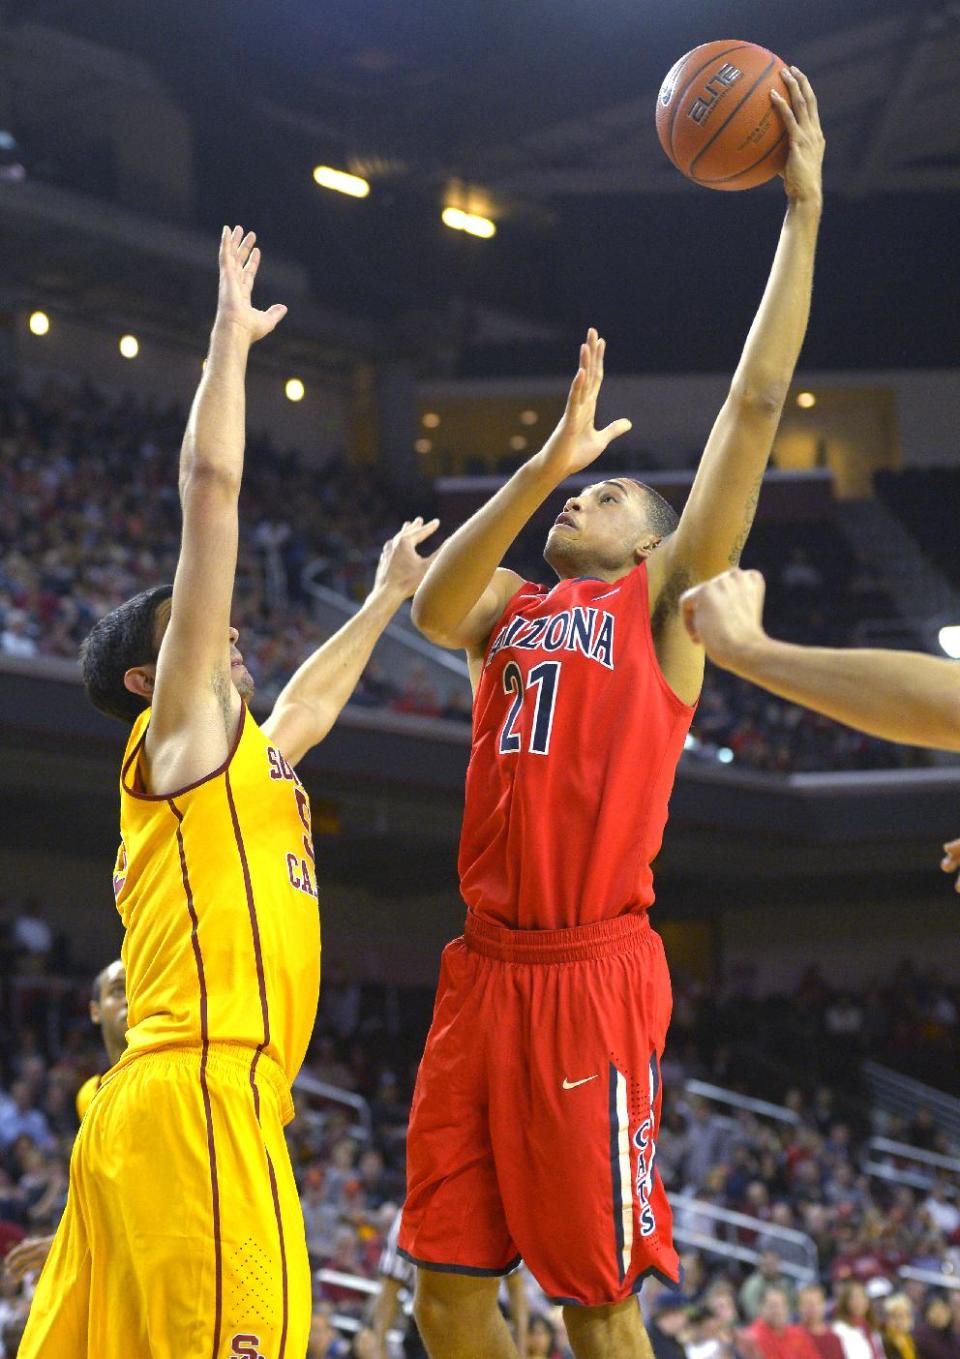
[
  {"x": 89, "y": 515},
  {"x": 805, "y": 1171}
]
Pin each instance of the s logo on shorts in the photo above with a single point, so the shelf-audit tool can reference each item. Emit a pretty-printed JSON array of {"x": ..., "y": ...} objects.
[{"x": 246, "y": 1347}]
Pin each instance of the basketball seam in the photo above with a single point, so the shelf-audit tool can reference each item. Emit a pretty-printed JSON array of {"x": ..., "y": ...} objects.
[
  {"x": 728, "y": 179},
  {"x": 732, "y": 114},
  {"x": 679, "y": 96}
]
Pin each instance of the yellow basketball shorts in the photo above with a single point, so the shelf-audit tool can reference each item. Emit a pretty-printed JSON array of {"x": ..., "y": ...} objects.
[{"x": 183, "y": 1236}]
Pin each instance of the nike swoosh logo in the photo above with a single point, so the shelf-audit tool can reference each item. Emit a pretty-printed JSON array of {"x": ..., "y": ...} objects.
[{"x": 572, "y": 1085}]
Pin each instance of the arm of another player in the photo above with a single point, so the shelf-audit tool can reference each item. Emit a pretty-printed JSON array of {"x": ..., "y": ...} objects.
[
  {"x": 195, "y": 706},
  {"x": 719, "y": 511},
  {"x": 519, "y": 1308},
  {"x": 466, "y": 590},
  {"x": 313, "y": 699},
  {"x": 27, "y": 1257},
  {"x": 385, "y": 1312},
  {"x": 895, "y": 695}
]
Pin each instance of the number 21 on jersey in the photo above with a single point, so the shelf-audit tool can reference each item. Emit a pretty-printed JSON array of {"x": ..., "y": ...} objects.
[{"x": 540, "y": 689}]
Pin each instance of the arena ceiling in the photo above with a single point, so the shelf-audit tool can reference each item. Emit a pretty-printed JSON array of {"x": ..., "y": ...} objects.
[{"x": 545, "y": 108}]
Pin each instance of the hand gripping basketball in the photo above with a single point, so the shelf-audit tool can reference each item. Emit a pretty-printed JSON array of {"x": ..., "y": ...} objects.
[{"x": 802, "y": 174}]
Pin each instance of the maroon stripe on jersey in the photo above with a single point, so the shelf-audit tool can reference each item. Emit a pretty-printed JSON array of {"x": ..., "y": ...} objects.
[
  {"x": 130, "y": 766},
  {"x": 283, "y": 1252},
  {"x": 207, "y": 1108}
]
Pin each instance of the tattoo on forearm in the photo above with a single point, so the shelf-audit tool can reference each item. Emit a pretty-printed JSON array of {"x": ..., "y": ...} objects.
[{"x": 737, "y": 550}]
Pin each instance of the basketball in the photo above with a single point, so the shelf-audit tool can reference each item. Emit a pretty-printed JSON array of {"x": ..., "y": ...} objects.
[{"x": 716, "y": 120}]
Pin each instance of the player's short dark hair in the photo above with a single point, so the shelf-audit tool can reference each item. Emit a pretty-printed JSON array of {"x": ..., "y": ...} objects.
[
  {"x": 124, "y": 638},
  {"x": 663, "y": 517}
]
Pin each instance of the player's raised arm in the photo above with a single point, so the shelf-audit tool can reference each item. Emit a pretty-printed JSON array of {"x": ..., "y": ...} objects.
[
  {"x": 313, "y": 699},
  {"x": 895, "y": 695},
  {"x": 719, "y": 511},
  {"x": 195, "y": 705},
  {"x": 466, "y": 590}
]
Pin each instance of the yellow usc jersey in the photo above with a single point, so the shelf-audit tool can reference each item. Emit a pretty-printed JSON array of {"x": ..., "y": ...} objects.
[
  {"x": 86, "y": 1093},
  {"x": 216, "y": 887}
]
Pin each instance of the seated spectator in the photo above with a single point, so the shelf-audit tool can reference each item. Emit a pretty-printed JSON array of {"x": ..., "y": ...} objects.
[
  {"x": 771, "y": 1336},
  {"x": 666, "y": 1324},
  {"x": 541, "y": 1339},
  {"x": 20, "y": 1118},
  {"x": 811, "y": 1317},
  {"x": 855, "y": 1323},
  {"x": 898, "y": 1342},
  {"x": 768, "y": 1274},
  {"x": 325, "y": 1343},
  {"x": 938, "y": 1335},
  {"x": 364, "y": 1345}
]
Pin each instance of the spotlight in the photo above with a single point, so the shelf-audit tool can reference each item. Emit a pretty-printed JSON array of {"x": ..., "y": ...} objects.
[
  {"x": 341, "y": 182},
  {"x": 39, "y": 323},
  {"x": 806, "y": 400},
  {"x": 294, "y": 389},
  {"x": 469, "y": 222},
  {"x": 950, "y": 640},
  {"x": 129, "y": 346},
  {"x": 12, "y": 168},
  {"x": 431, "y": 420}
]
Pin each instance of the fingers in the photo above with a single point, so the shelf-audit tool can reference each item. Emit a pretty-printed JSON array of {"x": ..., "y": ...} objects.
[
  {"x": 614, "y": 431},
  {"x": 786, "y": 111},
  {"x": 424, "y": 531},
  {"x": 951, "y": 856},
  {"x": 250, "y": 268},
  {"x": 688, "y": 612},
  {"x": 577, "y": 386},
  {"x": 275, "y": 314}
]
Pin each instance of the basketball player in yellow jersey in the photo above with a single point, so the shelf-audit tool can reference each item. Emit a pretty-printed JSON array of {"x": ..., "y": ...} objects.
[
  {"x": 183, "y": 1236},
  {"x": 108, "y": 1010}
]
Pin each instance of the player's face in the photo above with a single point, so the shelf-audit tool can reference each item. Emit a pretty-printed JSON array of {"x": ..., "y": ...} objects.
[
  {"x": 110, "y": 1012},
  {"x": 239, "y": 674},
  {"x": 600, "y": 531}
]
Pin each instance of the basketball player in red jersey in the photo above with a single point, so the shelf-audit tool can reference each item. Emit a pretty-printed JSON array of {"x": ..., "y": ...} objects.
[{"x": 534, "y": 1123}]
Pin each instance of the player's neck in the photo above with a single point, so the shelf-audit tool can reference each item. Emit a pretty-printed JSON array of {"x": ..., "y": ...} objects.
[{"x": 588, "y": 571}]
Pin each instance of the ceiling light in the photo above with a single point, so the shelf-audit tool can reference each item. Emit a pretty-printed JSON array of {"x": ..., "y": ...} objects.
[
  {"x": 39, "y": 323},
  {"x": 431, "y": 420},
  {"x": 423, "y": 446},
  {"x": 529, "y": 417},
  {"x": 129, "y": 346},
  {"x": 294, "y": 389},
  {"x": 469, "y": 222},
  {"x": 518, "y": 443},
  {"x": 340, "y": 181},
  {"x": 806, "y": 400}
]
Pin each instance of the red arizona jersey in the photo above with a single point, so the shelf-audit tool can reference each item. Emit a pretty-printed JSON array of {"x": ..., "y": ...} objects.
[{"x": 576, "y": 739}]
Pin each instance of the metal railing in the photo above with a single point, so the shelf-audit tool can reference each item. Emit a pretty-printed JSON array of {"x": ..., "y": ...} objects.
[
  {"x": 734, "y": 1100},
  {"x": 931, "y": 1277},
  {"x": 309, "y": 1085},
  {"x": 795, "y": 1243},
  {"x": 901, "y": 1095},
  {"x": 354, "y": 1283},
  {"x": 922, "y": 1170}
]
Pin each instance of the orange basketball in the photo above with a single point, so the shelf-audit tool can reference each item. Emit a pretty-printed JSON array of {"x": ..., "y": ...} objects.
[{"x": 716, "y": 120}]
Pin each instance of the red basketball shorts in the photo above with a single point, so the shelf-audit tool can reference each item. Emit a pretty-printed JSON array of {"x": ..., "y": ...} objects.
[{"x": 535, "y": 1118}]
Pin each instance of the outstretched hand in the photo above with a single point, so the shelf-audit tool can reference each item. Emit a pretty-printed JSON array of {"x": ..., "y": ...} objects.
[
  {"x": 724, "y": 615},
  {"x": 803, "y": 172},
  {"x": 239, "y": 262},
  {"x": 401, "y": 567},
  {"x": 575, "y": 443},
  {"x": 950, "y": 863}
]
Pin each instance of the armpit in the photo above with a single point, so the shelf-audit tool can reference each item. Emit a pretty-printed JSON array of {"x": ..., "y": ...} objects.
[{"x": 668, "y": 600}]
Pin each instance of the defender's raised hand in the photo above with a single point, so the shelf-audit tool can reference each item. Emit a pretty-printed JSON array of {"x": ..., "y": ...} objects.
[
  {"x": 724, "y": 615},
  {"x": 575, "y": 443},
  {"x": 239, "y": 262},
  {"x": 401, "y": 567},
  {"x": 803, "y": 173}
]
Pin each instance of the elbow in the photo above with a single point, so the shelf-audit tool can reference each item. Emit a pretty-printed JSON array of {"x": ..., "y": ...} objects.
[
  {"x": 424, "y": 618},
  {"x": 761, "y": 396},
  {"x": 203, "y": 477}
]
